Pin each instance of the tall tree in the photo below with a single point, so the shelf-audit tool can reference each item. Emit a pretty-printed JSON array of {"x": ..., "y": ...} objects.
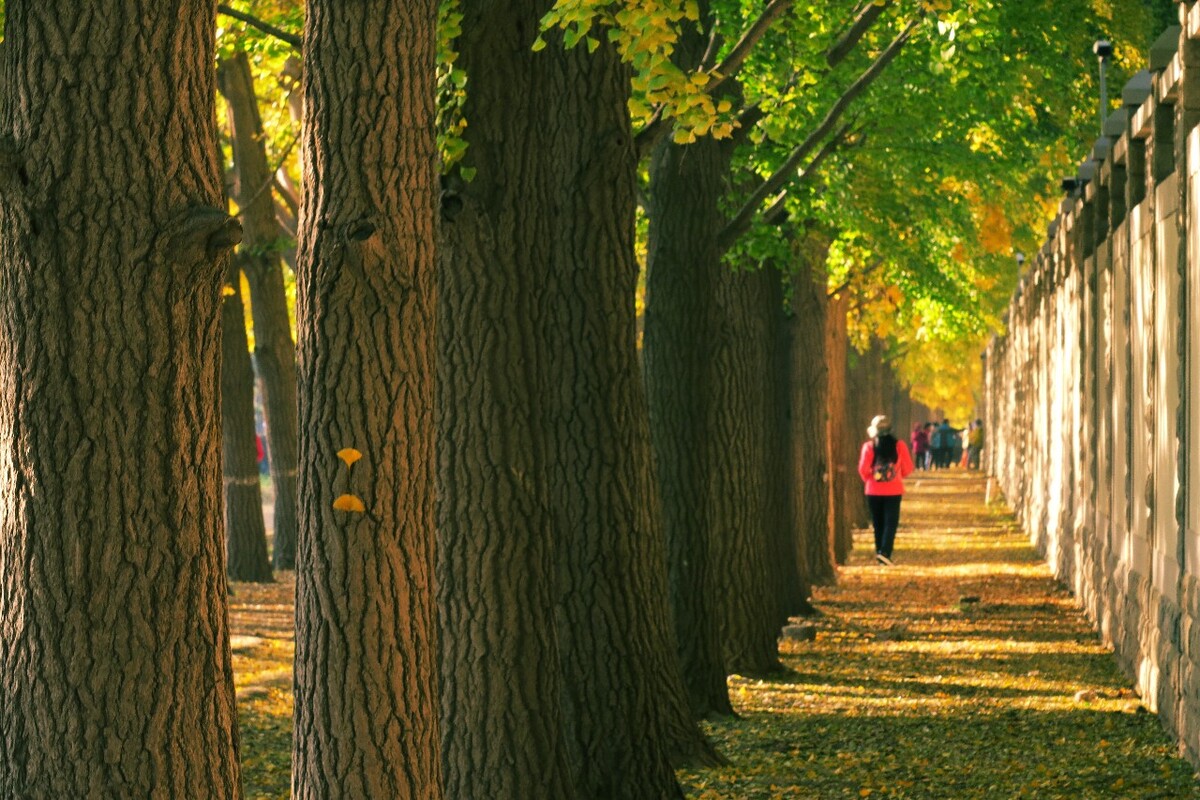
[
  {"x": 245, "y": 532},
  {"x": 741, "y": 489},
  {"x": 274, "y": 351},
  {"x": 115, "y": 676},
  {"x": 843, "y": 483},
  {"x": 366, "y": 688},
  {"x": 504, "y": 735},
  {"x": 613, "y": 650},
  {"x": 682, "y": 272},
  {"x": 810, "y": 398},
  {"x": 790, "y": 588},
  {"x": 545, "y": 233}
]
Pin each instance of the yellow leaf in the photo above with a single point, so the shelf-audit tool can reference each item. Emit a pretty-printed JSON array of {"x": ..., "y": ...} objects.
[
  {"x": 349, "y": 502},
  {"x": 228, "y": 291},
  {"x": 349, "y": 455},
  {"x": 724, "y": 106}
]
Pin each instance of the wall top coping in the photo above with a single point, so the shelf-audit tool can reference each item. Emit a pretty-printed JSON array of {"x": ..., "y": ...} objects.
[
  {"x": 1101, "y": 150},
  {"x": 1117, "y": 123},
  {"x": 1164, "y": 48},
  {"x": 1137, "y": 89}
]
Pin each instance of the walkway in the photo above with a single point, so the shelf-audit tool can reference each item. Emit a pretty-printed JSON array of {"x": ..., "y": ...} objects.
[{"x": 962, "y": 672}]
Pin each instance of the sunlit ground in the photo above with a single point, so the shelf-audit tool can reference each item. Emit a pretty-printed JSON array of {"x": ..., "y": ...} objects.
[
  {"x": 908, "y": 691},
  {"x": 915, "y": 689},
  {"x": 263, "y": 646}
]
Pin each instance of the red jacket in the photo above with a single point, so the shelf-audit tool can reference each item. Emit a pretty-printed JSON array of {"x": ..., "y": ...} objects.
[{"x": 904, "y": 467}]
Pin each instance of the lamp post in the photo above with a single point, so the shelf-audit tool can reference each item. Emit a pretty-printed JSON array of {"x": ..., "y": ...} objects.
[{"x": 1103, "y": 50}]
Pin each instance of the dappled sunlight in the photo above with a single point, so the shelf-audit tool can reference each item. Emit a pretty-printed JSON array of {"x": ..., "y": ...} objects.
[
  {"x": 263, "y": 650},
  {"x": 963, "y": 672}
]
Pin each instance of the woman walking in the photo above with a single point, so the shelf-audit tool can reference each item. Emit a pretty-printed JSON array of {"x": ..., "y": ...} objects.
[{"x": 883, "y": 465}]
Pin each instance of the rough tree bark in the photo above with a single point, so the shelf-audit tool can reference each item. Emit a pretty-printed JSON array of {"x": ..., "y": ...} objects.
[
  {"x": 610, "y": 642},
  {"x": 274, "y": 351},
  {"x": 739, "y": 492},
  {"x": 862, "y": 389},
  {"x": 548, "y": 533},
  {"x": 366, "y": 681},
  {"x": 245, "y": 533},
  {"x": 503, "y": 727},
  {"x": 683, "y": 263},
  {"x": 791, "y": 589},
  {"x": 809, "y": 409},
  {"x": 115, "y": 677},
  {"x": 840, "y": 445}
]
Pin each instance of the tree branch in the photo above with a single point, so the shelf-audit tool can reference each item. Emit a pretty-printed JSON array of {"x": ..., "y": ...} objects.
[
  {"x": 778, "y": 210},
  {"x": 729, "y": 66},
  {"x": 653, "y": 130},
  {"x": 846, "y": 43},
  {"x": 772, "y": 185},
  {"x": 266, "y": 27}
]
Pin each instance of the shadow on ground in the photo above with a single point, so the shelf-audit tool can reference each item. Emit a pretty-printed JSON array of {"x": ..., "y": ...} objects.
[{"x": 963, "y": 672}]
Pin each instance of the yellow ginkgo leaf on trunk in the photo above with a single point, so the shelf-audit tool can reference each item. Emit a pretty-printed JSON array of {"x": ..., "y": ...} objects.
[
  {"x": 349, "y": 455},
  {"x": 349, "y": 502}
]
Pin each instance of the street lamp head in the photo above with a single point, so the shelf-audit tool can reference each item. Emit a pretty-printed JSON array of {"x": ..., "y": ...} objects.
[
  {"x": 1103, "y": 49},
  {"x": 1071, "y": 184},
  {"x": 1020, "y": 259}
]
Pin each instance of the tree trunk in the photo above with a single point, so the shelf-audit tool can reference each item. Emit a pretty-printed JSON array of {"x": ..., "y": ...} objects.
[
  {"x": 245, "y": 534},
  {"x": 809, "y": 409},
  {"x": 840, "y": 445},
  {"x": 274, "y": 352},
  {"x": 366, "y": 682},
  {"x": 682, "y": 267},
  {"x": 742, "y": 427},
  {"x": 861, "y": 388},
  {"x": 503, "y": 730},
  {"x": 791, "y": 589},
  {"x": 115, "y": 668},
  {"x": 610, "y": 645},
  {"x": 557, "y": 571}
]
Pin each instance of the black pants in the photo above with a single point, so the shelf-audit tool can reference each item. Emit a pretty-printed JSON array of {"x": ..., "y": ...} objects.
[{"x": 885, "y": 514}]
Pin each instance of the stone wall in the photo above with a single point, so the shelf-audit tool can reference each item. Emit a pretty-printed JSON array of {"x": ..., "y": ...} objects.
[{"x": 1093, "y": 393}]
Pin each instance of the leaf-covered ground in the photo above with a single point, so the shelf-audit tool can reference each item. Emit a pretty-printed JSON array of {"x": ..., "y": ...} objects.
[
  {"x": 915, "y": 689},
  {"x": 261, "y": 617},
  {"x": 908, "y": 692}
]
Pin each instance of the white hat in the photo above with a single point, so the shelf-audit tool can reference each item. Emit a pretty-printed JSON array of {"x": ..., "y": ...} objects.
[{"x": 880, "y": 424}]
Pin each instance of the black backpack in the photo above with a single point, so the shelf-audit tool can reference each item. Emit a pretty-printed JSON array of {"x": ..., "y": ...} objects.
[{"x": 883, "y": 471}]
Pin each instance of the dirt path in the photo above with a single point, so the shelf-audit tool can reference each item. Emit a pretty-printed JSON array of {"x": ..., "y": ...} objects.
[{"x": 964, "y": 671}]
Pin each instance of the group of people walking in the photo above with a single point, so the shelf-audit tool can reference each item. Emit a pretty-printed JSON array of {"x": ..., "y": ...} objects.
[
  {"x": 885, "y": 461},
  {"x": 940, "y": 446}
]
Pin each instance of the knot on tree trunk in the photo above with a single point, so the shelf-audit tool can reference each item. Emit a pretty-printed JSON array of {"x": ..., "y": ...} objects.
[
  {"x": 13, "y": 174},
  {"x": 201, "y": 233}
]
